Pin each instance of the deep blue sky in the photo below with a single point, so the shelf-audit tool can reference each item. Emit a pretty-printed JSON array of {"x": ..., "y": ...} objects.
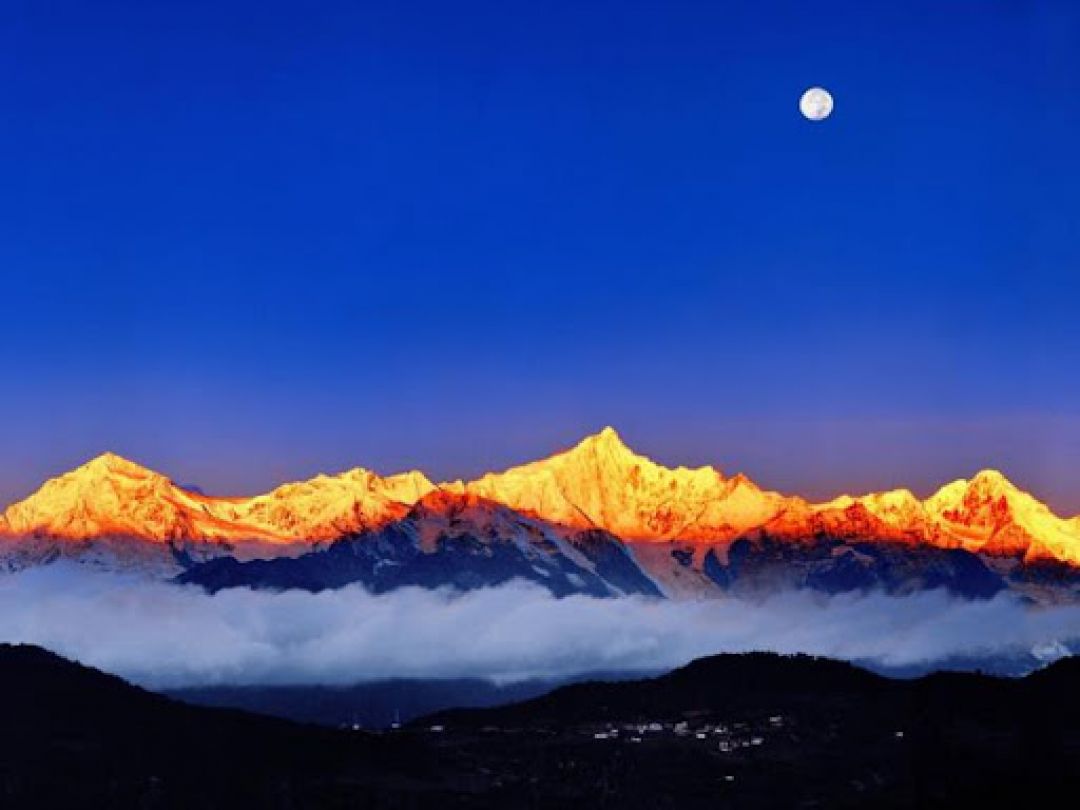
[{"x": 243, "y": 242}]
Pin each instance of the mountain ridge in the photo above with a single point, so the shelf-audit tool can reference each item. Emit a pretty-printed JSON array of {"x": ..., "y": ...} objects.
[{"x": 598, "y": 484}]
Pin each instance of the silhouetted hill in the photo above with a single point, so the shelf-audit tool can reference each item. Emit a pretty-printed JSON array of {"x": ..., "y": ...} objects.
[
  {"x": 76, "y": 737},
  {"x": 807, "y": 731},
  {"x": 747, "y": 731},
  {"x": 722, "y": 683}
]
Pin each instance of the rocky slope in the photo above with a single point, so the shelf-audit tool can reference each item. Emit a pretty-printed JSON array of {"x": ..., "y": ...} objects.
[{"x": 460, "y": 540}]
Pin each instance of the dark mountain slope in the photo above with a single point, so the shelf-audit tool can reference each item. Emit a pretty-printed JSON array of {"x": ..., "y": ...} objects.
[
  {"x": 803, "y": 731},
  {"x": 76, "y": 737},
  {"x": 750, "y": 731},
  {"x": 463, "y": 554},
  {"x": 724, "y": 684}
]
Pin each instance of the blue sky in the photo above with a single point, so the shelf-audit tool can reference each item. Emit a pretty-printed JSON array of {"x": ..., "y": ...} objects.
[{"x": 244, "y": 242}]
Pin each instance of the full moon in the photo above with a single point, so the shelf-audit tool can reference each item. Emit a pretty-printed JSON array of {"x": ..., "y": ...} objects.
[{"x": 816, "y": 104}]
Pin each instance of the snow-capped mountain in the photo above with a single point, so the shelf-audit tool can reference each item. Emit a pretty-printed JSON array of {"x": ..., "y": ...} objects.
[
  {"x": 110, "y": 496},
  {"x": 602, "y": 483},
  {"x": 678, "y": 526},
  {"x": 456, "y": 539}
]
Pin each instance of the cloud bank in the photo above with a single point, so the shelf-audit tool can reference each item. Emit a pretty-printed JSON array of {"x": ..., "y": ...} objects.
[{"x": 165, "y": 636}]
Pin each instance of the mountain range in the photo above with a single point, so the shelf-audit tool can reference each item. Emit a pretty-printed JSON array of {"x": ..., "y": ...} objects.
[{"x": 597, "y": 518}]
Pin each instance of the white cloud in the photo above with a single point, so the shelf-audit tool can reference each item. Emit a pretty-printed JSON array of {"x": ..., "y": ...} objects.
[{"x": 162, "y": 635}]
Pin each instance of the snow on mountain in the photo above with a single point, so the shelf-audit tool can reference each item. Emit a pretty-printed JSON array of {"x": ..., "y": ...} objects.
[
  {"x": 991, "y": 515},
  {"x": 447, "y": 538},
  {"x": 602, "y": 483},
  {"x": 599, "y": 485},
  {"x": 110, "y": 496}
]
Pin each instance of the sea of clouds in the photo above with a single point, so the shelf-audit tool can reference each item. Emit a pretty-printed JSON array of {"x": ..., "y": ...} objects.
[{"x": 165, "y": 636}]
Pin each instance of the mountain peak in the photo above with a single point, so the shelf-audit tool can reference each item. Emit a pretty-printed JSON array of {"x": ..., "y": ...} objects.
[
  {"x": 600, "y": 482},
  {"x": 609, "y": 435},
  {"x": 107, "y": 496},
  {"x": 603, "y": 459},
  {"x": 607, "y": 440},
  {"x": 984, "y": 487},
  {"x": 111, "y": 463},
  {"x": 992, "y": 479}
]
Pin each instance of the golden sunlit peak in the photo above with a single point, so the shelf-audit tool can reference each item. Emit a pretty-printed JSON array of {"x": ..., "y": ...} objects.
[
  {"x": 992, "y": 477},
  {"x": 605, "y": 447},
  {"x": 111, "y": 457},
  {"x": 608, "y": 438},
  {"x": 113, "y": 462},
  {"x": 599, "y": 482},
  {"x": 607, "y": 435}
]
